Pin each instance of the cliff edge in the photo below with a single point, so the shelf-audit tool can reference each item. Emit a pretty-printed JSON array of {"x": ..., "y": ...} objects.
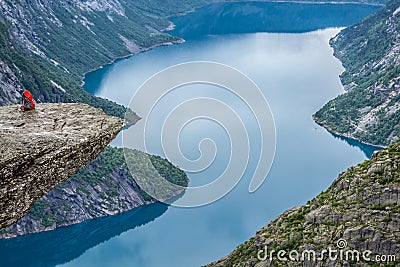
[{"x": 40, "y": 149}]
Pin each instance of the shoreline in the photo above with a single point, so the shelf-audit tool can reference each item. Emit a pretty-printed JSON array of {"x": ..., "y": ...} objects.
[
  {"x": 7, "y": 235},
  {"x": 304, "y": 2},
  {"x": 140, "y": 50},
  {"x": 180, "y": 40},
  {"x": 330, "y": 130}
]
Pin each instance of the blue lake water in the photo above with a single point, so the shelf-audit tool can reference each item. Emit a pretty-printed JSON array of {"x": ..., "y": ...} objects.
[{"x": 293, "y": 65}]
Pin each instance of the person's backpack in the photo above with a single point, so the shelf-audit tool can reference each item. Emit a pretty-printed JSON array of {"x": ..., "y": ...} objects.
[{"x": 28, "y": 102}]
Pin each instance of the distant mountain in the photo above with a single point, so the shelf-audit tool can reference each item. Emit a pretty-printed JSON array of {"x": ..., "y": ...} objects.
[
  {"x": 47, "y": 46},
  {"x": 370, "y": 51}
]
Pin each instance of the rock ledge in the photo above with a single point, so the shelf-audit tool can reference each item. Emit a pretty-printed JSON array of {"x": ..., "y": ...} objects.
[{"x": 40, "y": 149}]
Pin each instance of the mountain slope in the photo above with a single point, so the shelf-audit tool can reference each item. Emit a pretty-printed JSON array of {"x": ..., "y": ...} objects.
[
  {"x": 370, "y": 51},
  {"x": 47, "y": 46},
  {"x": 20, "y": 69},
  {"x": 361, "y": 207}
]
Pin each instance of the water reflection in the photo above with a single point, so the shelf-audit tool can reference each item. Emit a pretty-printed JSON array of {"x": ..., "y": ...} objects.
[
  {"x": 368, "y": 150},
  {"x": 283, "y": 17},
  {"x": 72, "y": 241}
]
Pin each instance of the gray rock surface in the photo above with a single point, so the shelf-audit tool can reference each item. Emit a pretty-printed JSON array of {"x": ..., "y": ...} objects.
[{"x": 40, "y": 149}]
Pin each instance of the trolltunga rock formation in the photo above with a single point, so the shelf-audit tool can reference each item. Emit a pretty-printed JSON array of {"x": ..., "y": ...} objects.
[{"x": 40, "y": 149}]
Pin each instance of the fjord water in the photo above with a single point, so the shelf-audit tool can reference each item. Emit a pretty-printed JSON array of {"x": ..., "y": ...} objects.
[{"x": 296, "y": 72}]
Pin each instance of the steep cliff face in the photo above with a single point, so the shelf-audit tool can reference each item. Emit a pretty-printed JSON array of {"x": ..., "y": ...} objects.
[
  {"x": 39, "y": 149},
  {"x": 361, "y": 207},
  {"x": 49, "y": 43},
  {"x": 58, "y": 30},
  {"x": 10, "y": 86},
  {"x": 370, "y": 52},
  {"x": 104, "y": 187},
  {"x": 21, "y": 68}
]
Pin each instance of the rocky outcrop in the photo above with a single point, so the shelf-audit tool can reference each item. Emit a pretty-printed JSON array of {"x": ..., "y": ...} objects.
[
  {"x": 369, "y": 111},
  {"x": 360, "y": 210},
  {"x": 40, "y": 149}
]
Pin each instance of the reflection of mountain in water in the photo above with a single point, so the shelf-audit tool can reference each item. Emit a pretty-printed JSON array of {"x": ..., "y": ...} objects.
[
  {"x": 366, "y": 149},
  {"x": 74, "y": 240},
  {"x": 250, "y": 17}
]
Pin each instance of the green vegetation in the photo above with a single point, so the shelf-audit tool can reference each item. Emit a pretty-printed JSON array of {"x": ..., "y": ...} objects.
[
  {"x": 367, "y": 51},
  {"x": 112, "y": 160},
  {"x": 170, "y": 172},
  {"x": 45, "y": 213}
]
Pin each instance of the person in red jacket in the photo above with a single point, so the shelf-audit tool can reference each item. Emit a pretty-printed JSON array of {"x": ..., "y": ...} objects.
[{"x": 28, "y": 103}]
